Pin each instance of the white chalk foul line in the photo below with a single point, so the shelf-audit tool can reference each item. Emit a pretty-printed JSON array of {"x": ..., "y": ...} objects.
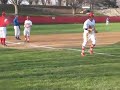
[
  {"x": 49, "y": 47},
  {"x": 13, "y": 43},
  {"x": 42, "y": 46},
  {"x": 94, "y": 52}
]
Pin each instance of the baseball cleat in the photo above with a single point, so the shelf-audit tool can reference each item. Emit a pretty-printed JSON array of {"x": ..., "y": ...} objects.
[
  {"x": 18, "y": 38},
  {"x": 28, "y": 41},
  {"x": 82, "y": 54},
  {"x": 91, "y": 52},
  {"x": 5, "y": 45}
]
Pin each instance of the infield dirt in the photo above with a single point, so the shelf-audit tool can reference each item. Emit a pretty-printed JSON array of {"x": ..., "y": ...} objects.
[{"x": 61, "y": 40}]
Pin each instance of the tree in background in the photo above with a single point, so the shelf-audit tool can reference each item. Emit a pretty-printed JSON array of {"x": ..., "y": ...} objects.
[
  {"x": 19, "y": 2},
  {"x": 106, "y": 3},
  {"x": 75, "y": 4},
  {"x": 36, "y": 2},
  {"x": 59, "y": 2},
  {"x": 4, "y": 1},
  {"x": 30, "y": 1},
  {"x": 16, "y": 3},
  {"x": 43, "y": 2}
]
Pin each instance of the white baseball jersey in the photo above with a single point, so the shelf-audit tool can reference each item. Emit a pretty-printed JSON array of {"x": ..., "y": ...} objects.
[
  {"x": 27, "y": 24},
  {"x": 107, "y": 21},
  {"x": 86, "y": 35},
  {"x": 88, "y": 23},
  {"x": 27, "y": 27}
]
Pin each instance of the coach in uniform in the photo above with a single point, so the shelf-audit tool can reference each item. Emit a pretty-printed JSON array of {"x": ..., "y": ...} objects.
[
  {"x": 27, "y": 29},
  {"x": 16, "y": 27},
  {"x": 3, "y": 31},
  {"x": 89, "y": 33}
]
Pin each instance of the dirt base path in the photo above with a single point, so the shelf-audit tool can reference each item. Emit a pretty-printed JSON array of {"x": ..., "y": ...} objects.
[{"x": 61, "y": 40}]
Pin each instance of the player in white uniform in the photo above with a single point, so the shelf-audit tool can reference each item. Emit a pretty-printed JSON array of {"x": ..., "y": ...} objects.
[
  {"x": 107, "y": 21},
  {"x": 27, "y": 29},
  {"x": 89, "y": 33}
]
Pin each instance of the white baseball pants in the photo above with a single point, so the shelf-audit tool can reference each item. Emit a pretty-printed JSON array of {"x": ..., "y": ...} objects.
[{"x": 88, "y": 36}]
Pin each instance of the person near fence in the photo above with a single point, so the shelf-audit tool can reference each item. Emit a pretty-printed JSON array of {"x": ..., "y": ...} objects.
[{"x": 107, "y": 21}]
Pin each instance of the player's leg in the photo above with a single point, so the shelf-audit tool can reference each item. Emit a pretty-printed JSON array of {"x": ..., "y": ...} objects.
[
  {"x": 93, "y": 39},
  {"x": 28, "y": 36},
  {"x": 4, "y": 36},
  {"x": 0, "y": 35},
  {"x": 85, "y": 39},
  {"x": 18, "y": 33},
  {"x": 15, "y": 31},
  {"x": 25, "y": 35}
]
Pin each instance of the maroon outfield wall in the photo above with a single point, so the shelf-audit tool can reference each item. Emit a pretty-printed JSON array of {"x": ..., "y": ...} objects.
[{"x": 64, "y": 19}]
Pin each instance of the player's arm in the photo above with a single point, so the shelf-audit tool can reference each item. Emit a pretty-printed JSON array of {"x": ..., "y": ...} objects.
[
  {"x": 31, "y": 23},
  {"x": 95, "y": 28},
  {"x": 6, "y": 21},
  {"x": 87, "y": 27},
  {"x": 24, "y": 24}
]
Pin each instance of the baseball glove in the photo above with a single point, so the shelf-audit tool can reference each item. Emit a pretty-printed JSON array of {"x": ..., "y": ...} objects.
[
  {"x": 96, "y": 31},
  {"x": 90, "y": 29}
]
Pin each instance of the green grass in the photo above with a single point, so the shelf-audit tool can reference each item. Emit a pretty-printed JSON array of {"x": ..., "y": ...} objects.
[
  {"x": 60, "y": 69},
  {"x": 66, "y": 28},
  {"x": 37, "y": 69}
]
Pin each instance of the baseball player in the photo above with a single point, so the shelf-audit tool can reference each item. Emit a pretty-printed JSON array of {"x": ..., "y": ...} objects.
[
  {"x": 107, "y": 21},
  {"x": 27, "y": 29},
  {"x": 89, "y": 33},
  {"x": 3, "y": 31},
  {"x": 16, "y": 27}
]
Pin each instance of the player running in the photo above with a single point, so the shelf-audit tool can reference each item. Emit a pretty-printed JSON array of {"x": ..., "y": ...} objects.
[
  {"x": 27, "y": 29},
  {"x": 89, "y": 33},
  {"x": 3, "y": 31}
]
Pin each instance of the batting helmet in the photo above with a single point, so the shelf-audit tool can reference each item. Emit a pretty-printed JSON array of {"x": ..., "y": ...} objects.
[{"x": 91, "y": 14}]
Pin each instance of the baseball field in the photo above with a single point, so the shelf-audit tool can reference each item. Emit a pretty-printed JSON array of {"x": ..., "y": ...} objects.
[{"x": 52, "y": 60}]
